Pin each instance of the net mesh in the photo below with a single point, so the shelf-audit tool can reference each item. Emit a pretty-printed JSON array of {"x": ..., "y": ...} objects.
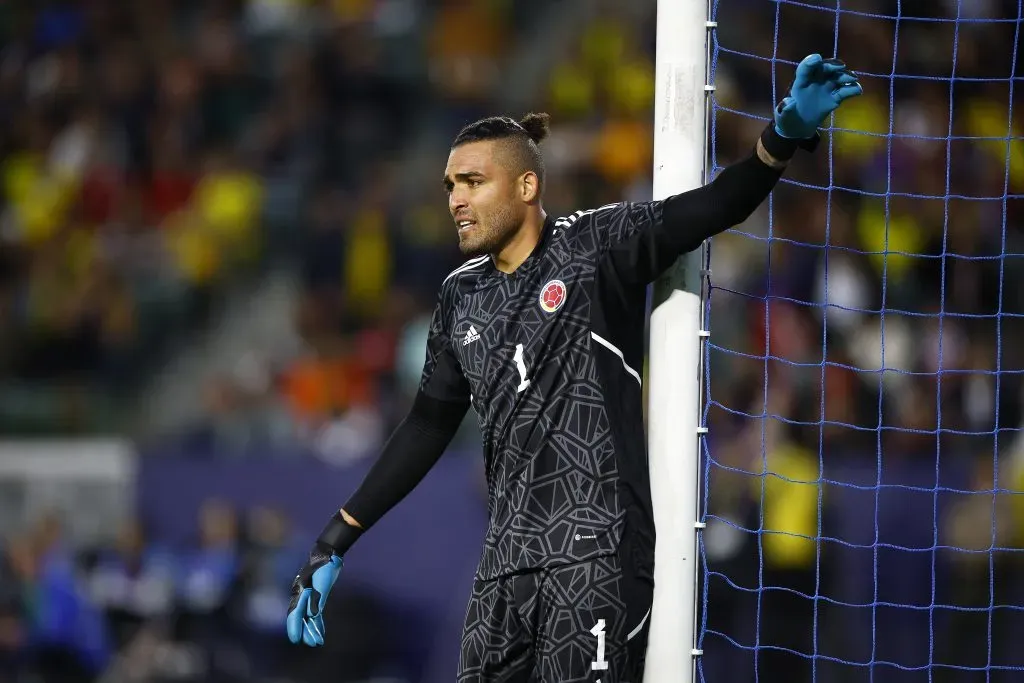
[{"x": 863, "y": 461}]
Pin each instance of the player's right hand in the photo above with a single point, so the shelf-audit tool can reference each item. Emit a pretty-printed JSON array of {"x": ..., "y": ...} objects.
[{"x": 310, "y": 589}]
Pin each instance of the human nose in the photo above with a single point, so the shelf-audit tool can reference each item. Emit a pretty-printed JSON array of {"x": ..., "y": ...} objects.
[{"x": 456, "y": 202}]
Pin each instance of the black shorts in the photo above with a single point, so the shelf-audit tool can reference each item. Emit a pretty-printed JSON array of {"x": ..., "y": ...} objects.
[{"x": 584, "y": 622}]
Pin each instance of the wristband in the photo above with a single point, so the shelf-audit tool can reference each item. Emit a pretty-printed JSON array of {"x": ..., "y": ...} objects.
[
  {"x": 339, "y": 535},
  {"x": 783, "y": 148}
]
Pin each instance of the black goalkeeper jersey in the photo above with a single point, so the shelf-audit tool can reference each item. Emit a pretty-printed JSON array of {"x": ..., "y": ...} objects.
[{"x": 551, "y": 357}]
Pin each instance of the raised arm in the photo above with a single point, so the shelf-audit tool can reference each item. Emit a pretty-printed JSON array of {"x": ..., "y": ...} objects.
[{"x": 652, "y": 236}]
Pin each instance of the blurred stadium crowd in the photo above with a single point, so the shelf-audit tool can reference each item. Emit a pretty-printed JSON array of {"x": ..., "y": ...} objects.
[
  {"x": 160, "y": 157},
  {"x": 888, "y": 424},
  {"x": 160, "y": 160}
]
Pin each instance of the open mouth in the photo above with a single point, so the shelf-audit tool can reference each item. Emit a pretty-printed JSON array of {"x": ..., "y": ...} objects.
[{"x": 465, "y": 226}]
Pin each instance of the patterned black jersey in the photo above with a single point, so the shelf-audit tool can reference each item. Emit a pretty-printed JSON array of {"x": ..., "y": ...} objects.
[{"x": 550, "y": 358}]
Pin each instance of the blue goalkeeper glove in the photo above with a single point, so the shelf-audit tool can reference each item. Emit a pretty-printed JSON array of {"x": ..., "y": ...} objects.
[
  {"x": 820, "y": 86},
  {"x": 312, "y": 585}
]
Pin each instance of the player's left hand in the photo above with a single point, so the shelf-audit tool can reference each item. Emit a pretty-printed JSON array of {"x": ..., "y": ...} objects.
[
  {"x": 309, "y": 594},
  {"x": 819, "y": 88}
]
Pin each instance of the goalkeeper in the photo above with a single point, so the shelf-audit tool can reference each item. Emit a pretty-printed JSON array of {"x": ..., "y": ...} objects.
[{"x": 541, "y": 333}]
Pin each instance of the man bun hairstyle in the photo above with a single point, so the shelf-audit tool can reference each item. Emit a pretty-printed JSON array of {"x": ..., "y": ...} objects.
[
  {"x": 537, "y": 126},
  {"x": 534, "y": 127},
  {"x": 524, "y": 137}
]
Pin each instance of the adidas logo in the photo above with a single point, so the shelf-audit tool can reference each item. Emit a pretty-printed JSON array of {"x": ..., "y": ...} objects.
[{"x": 471, "y": 336}]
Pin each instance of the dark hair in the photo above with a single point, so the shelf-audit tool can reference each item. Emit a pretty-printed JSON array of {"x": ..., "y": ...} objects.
[
  {"x": 528, "y": 132},
  {"x": 532, "y": 126}
]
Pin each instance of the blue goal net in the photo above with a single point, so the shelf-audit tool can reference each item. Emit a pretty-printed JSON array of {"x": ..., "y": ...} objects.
[{"x": 864, "y": 460}]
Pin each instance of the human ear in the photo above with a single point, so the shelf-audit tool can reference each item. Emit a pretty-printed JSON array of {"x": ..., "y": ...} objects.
[{"x": 529, "y": 187}]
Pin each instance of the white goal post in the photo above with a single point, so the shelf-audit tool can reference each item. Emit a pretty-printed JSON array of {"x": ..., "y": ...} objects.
[{"x": 676, "y": 343}]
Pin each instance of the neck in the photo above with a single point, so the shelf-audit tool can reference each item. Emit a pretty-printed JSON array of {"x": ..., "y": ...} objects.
[{"x": 522, "y": 243}]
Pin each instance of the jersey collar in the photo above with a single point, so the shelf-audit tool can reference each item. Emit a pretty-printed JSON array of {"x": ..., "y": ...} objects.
[{"x": 535, "y": 257}]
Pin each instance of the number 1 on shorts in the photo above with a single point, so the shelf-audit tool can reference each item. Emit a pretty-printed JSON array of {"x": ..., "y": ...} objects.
[{"x": 600, "y": 663}]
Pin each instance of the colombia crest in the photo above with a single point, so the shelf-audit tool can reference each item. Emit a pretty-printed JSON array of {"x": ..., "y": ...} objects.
[{"x": 552, "y": 296}]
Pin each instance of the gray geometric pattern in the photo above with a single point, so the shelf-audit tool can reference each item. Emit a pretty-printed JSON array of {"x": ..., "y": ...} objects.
[
  {"x": 565, "y": 625},
  {"x": 546, "y": 393}
]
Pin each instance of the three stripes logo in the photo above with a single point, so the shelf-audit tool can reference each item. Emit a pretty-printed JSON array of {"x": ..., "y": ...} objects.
[{"x": 471, "y": 336}]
